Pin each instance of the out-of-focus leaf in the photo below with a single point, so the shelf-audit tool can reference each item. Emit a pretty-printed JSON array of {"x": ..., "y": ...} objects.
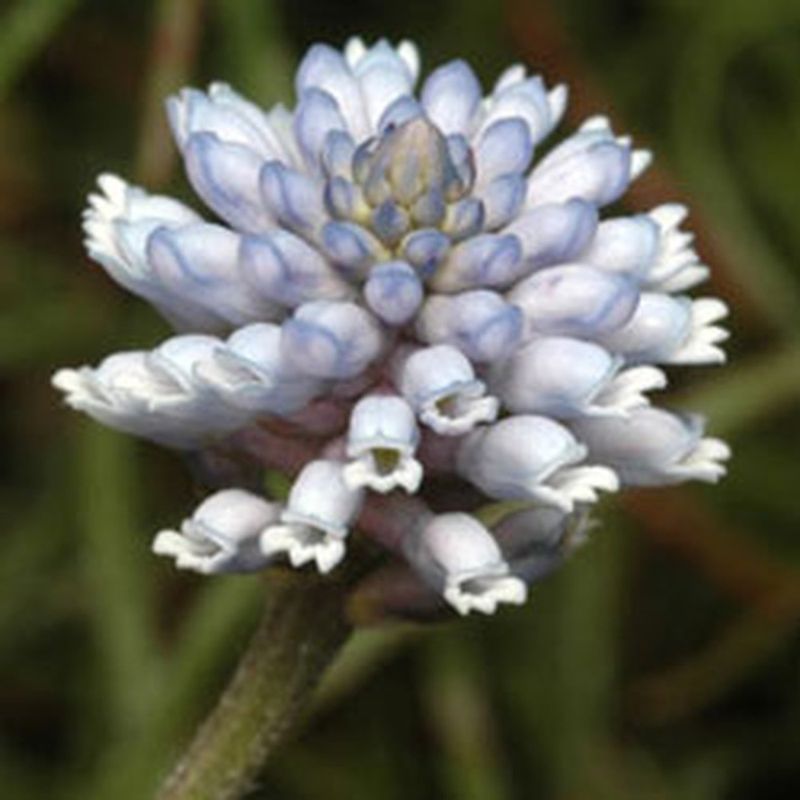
[
  {"x": 25, "y": 29},
  {"x": 118, "y": 577}
]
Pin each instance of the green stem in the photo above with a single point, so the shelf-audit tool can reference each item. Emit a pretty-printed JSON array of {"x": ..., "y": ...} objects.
[{"x": 301, "y": 631}]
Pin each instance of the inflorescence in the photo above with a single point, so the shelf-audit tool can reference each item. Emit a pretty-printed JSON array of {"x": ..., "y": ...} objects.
[{"x": 399, "y": 292}]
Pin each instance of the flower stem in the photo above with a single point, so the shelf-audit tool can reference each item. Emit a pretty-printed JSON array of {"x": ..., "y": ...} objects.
[{"x": 301, "y": 631}]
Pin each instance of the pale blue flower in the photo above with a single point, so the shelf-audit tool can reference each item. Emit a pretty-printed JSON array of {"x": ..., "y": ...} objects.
[
  {"x": 221, "y": 536},
  {"x": 395, "y": 284},
  {"x": 459, "y": 558}
]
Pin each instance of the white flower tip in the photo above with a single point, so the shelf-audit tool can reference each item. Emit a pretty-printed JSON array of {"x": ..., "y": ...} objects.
[
  {"x": 677, "y": 266},
  {"x": 576, "y": 485},
  {"x": 597, "y": 122},
  {"x": 627, "y": 391},
  {"x": 705, "y": 462},
  {"x": 201, "y": 557},
  {"x": 102, "y": 210},
  {"x": 557, "y": 99},
  {"x": 456, "y": 414},
  {"x": 114, "y": 189},
  {"x": 640, "y": 161},
  {"x": 701, "y": 345},
  {"x": 67, "y": 380},
  {"x": 384, "y": 471},
  {"x": 168, "y": 543},
  {"x": 409, "y": 52},
  {"x": 485, "y": 594},
  {"x": 685, "y": 278},
  {"x": 669, "y": 215},
  {"x": 302, "y": 545}
]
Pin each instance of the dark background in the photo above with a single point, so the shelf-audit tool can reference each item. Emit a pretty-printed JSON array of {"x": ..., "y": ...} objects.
[{"x": 663, "y": 662}]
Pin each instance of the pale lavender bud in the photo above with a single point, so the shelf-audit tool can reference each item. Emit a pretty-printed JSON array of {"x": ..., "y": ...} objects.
[
  {"x": 131, "y": 393},
  {"x": 401, "y": 111},
  {"x": 575, "y": 300},
  {"x": 461, "y": 165},
  {"x": 515, "y": 96},
  {"x": 326, "y": 69},
  {"x": 282, "y": 268},
  {"x": 337, "y": 155},
  {"x": 118, "y": 223},
  {"x": 441, "y": 386},
  {"x": 671, "y": 330},
  {"x": 535, "y": 458},
  {"x": 464, "y": 218},
  {"x": 501, "y": 200},
  {"x": 425, "y": 249},
  {"x": 566, "y": 378},
  {"x": 200, "y": 262},
  {"x": 536, "y": 530},
  {"x": 458, "y": 557},
  {"x": 481, "y": 324},
  {"x": 221, "y": 536},
  {"x": 537, "y": 541},
  {"x": 592, "y": 165},
  {"x": 384, "y": 75},
  {"x": 390, "y": 222},
  {"x": 408, "y": 162},
  {"x": 429, "y": 209},
  {"x": 488, "y": 260},
  {"x": 315, "y": 521},
  {"x": 250, "y": 372},
  {"x": 394, "y": 292},
  {"x": 381, "y": 442},
  {"x": 343, "y": 200},
  {"x": 316, "y": 117},
  {"x": 504, "y": 147},
  {"x": 328, "y": 339},
  {"x": 180, "y": 358},
  {"x": 653, "y": 447},
  {"x": 225, "y": 114},
  {"x": 352, "y": 248},
  {"x": 293, "y": 198},
  {"x": 554, "y": 233},
  {"x": 627, "y": 245},
  {"x": 451, "y": 96},
  {"x": 226, "y": 176}
]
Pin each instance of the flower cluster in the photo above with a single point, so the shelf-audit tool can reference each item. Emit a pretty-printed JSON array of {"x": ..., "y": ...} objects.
[{"x": 400, "y": 289}]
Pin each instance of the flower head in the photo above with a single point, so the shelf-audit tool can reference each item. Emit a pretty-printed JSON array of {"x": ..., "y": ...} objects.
[{"x": 393, "y": 283}]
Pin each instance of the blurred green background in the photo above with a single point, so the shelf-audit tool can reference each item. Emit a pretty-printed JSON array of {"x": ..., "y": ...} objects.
[{"x": 664, "y": 662}]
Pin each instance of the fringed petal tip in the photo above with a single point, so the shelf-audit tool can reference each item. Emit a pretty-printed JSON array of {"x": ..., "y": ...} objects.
[
  {"x": 706, "y": 462},
  {"x": 221, "y": 536},
  {"x": 303, "y": 544},
  {"x": 485, "y": 594},
  {"x": 384, "y": 472}
]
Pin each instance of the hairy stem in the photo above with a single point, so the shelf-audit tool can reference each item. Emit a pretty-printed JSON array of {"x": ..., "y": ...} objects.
[{"x": 301, "y": 631}]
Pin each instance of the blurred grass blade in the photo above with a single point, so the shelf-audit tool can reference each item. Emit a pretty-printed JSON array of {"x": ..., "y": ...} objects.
[
  {"x": 120, "y": 592},
  {"x": 698, "y": 132},
  {"x": 25, "y": 29},
  {"x": 455, "y": 686},
  {"x": 366, "y": 652},
  {"x": 173, "y": 47},
  {"x": 709, "y": 676},
  {"x": 585, "y": 655},
  {"x": 256, "y": 58},
  {"x": 218, "y": 624},
  {"x": 749, "y": 392}
]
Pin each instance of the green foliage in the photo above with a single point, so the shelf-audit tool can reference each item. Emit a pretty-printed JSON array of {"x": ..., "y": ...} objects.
[{"x": 661, "y": 663}]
